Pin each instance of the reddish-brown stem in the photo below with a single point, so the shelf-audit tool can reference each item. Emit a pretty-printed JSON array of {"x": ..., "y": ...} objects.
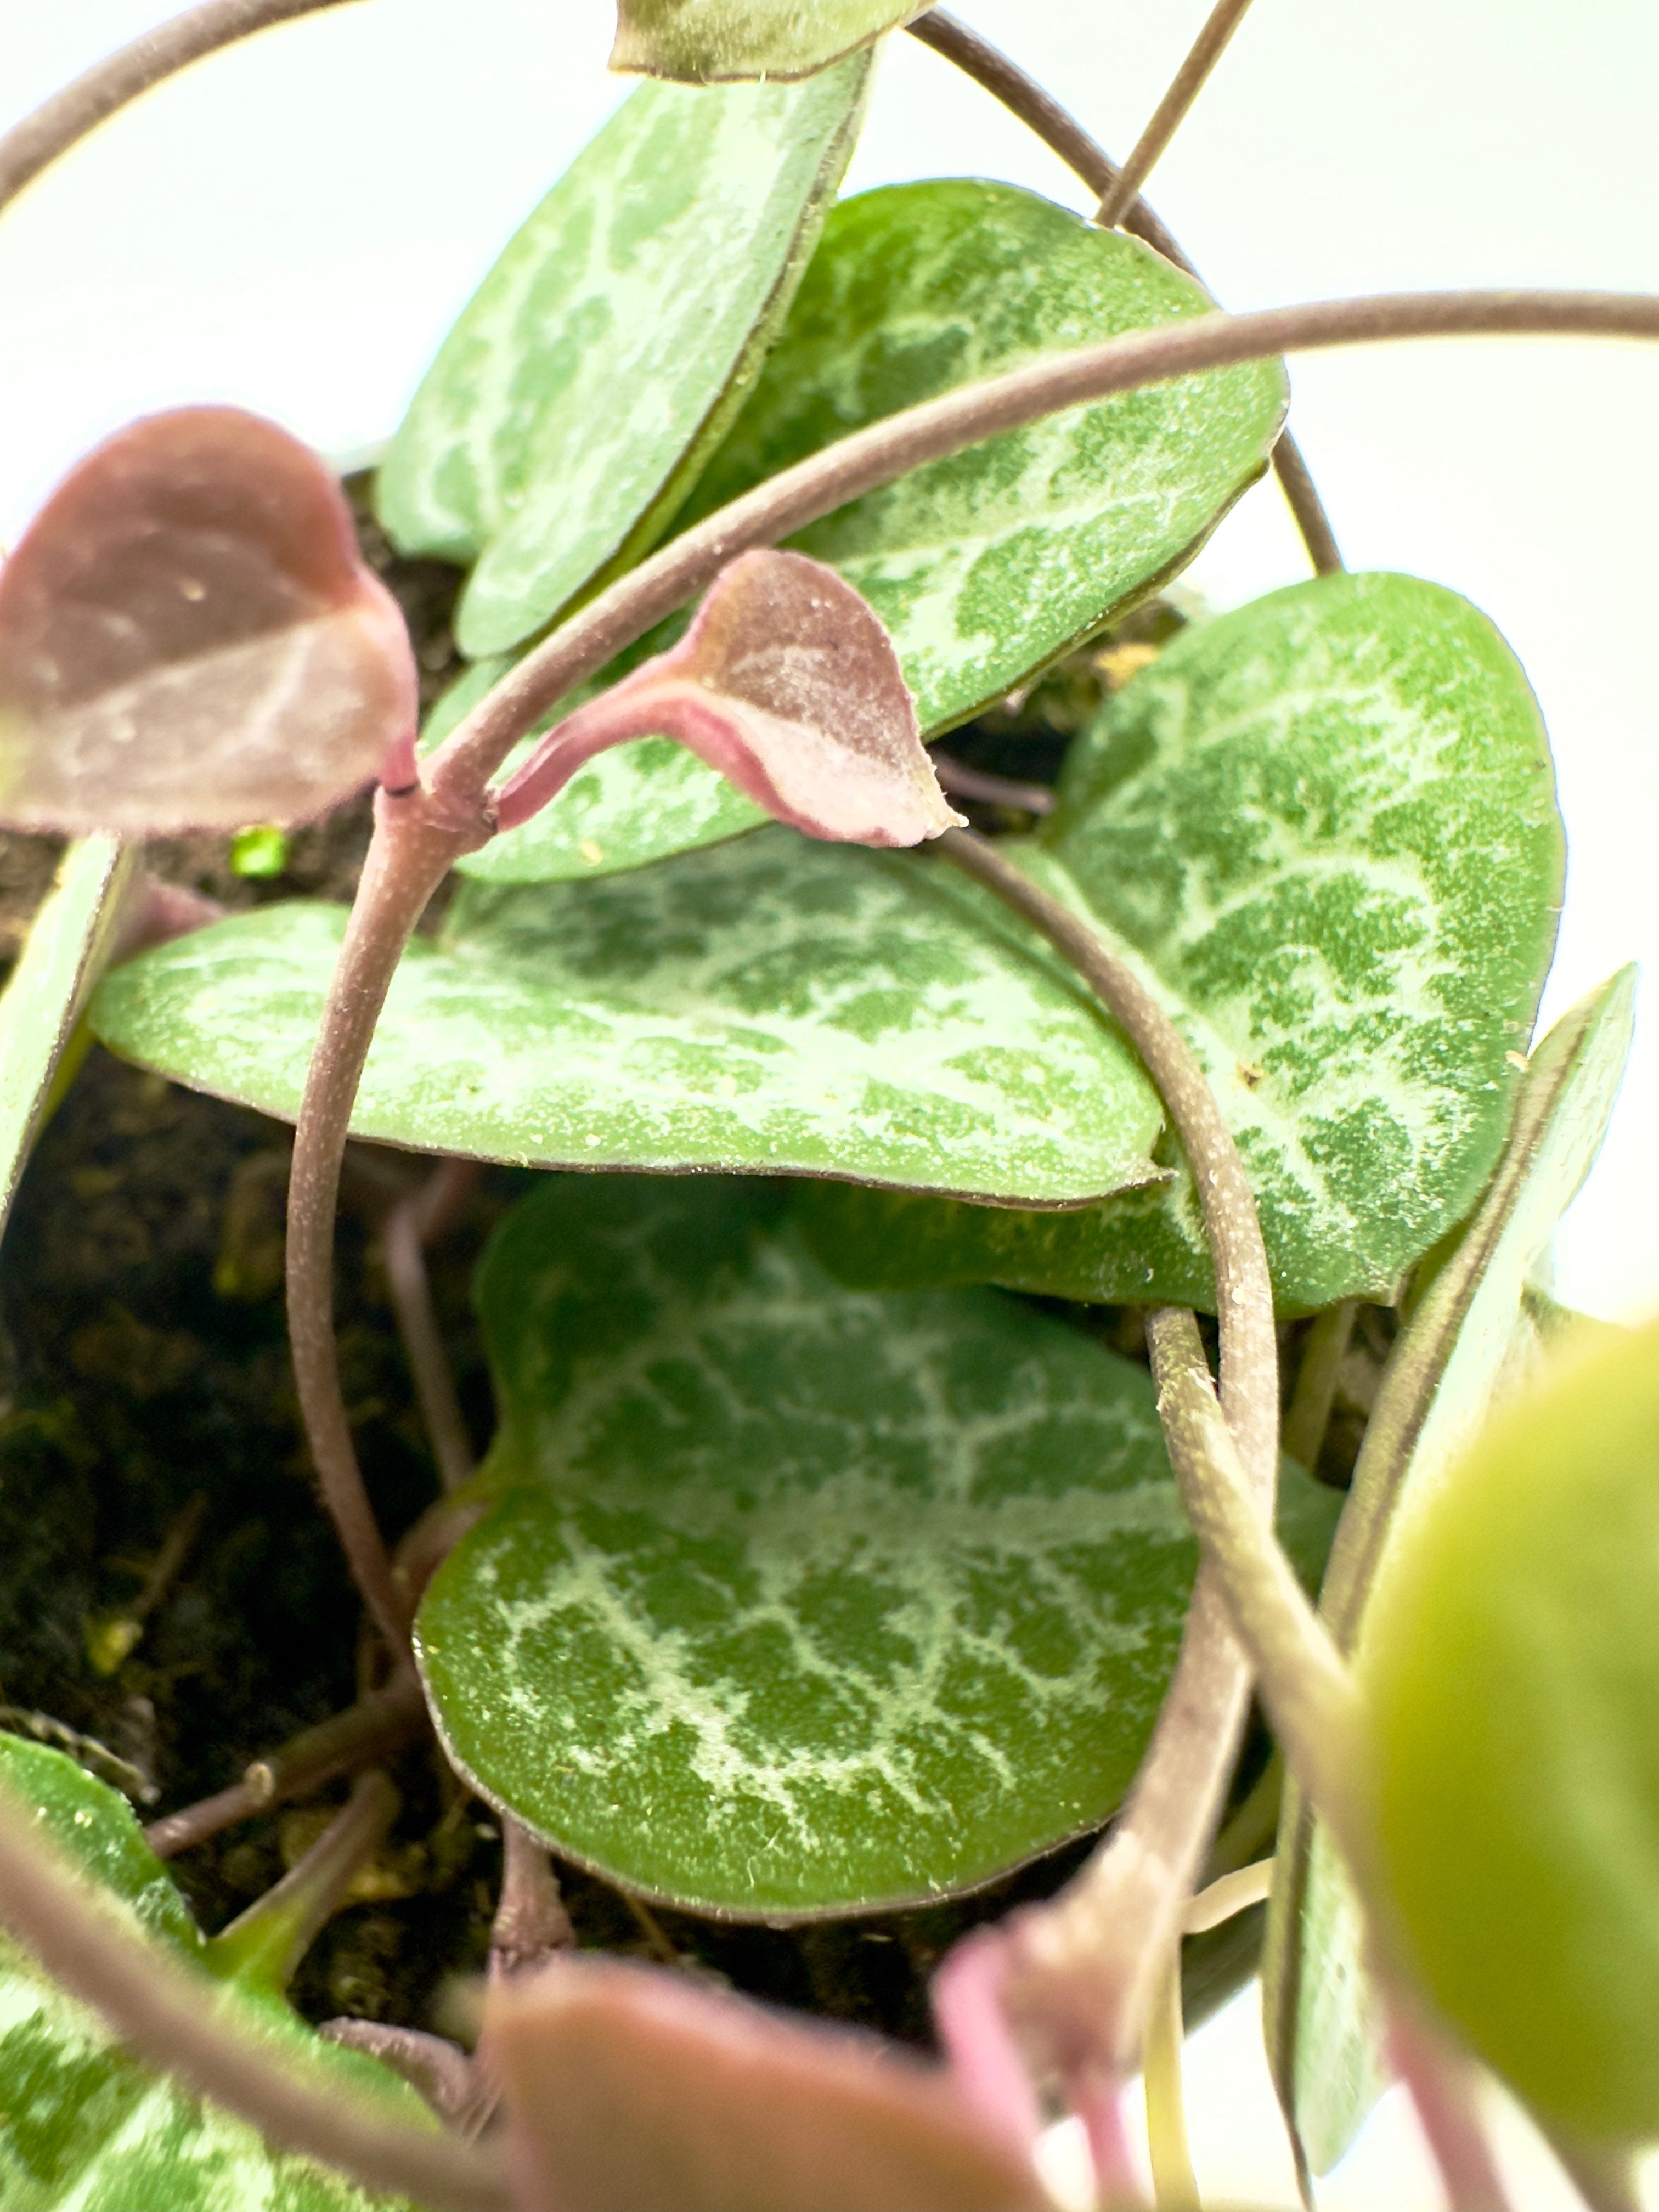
[
  {"x": 530, "y": 1921},
  {"x": 407, "y": 857},
  {"x": 964, "y": 783},
  {"x": 36, "y": 142},
  {"x": 1083, "y": 1970},
  {"x": 166, "y": 2012},
  {"x": 1190, "y": 79},
  {"x": 409, "y": 1227},
  {"x": 363, "y": 1733},
  {"x": 458, "y": 774},
  {"x": 1023, "y": 96}
]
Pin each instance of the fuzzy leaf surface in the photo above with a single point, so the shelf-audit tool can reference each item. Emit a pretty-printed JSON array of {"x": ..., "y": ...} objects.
[
  {"x": 84, "y": 2125},
  {"x": 566, "y": 414},
  {"x": 190, "y": 640},
  {"x": 867, "y": 1597},
  {"x": 711, "y": 41},
  {"x": 1469, "y": 1344},
  {"x": 1324, "y": 828},
  {"x": 987, "y": 566},
  {"x": 773, "y": 1004}
]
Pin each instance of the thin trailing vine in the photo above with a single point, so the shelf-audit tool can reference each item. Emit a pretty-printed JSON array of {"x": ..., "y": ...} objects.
[
  {"x": 1188, "y": 82},
  {"x": 1023, "y": 97},
  {"x": 126, "y": 76}
]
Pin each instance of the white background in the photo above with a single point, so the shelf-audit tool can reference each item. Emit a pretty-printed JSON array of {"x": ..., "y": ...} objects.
[{"x": 293, "y": 225}]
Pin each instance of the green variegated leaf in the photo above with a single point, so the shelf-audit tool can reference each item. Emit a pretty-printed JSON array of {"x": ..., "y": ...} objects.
[
  {"x": 857, "y": 1600},
  {"x": 983, "y": 568},
  {"x": 568, "y": 412},
  {"x": 987, "y": 566},
  {"x": 710, "y": 41},
  {"x": 83, "y": 2126},
  {"x": 770, "y": 1004},
  {"x": 1324, "y": 830},
  {"x": 1471, "y": 1340}
]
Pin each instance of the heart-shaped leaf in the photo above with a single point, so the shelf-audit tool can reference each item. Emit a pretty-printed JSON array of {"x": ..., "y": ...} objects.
[
  {"x": 628, "y": 2087},
  {"x": 987, "y": 566},
  {"x": 866, "y": 1598},
  {"x": 984, "y": 567},
  {"x": 773, "y": 1004},
  {"x": 786, "y": 684},
  {"x": 82, "y": 2125},
  {"x": 1470, "y": 1341},
  {"x": 710, "y": 41},
  {"x": 569, "y": 410},
  {"x": 189, "y": 639},
  {"x": 1324, "y": 828}
]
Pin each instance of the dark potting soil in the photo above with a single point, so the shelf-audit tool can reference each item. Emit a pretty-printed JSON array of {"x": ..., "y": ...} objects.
[{"x": 147, "y": 1414}]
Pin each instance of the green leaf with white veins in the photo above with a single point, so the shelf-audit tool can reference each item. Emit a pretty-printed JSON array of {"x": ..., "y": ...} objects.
[
  {"x": 864, "y": 1599},
  {"x": 569, "y": 410},
  {"x": 772, "y": 1004},
  {"x": 83, "y": 2126},
  {"x": 1324, "y": 829},
  {"x": 1469, "y": 1344},
  {"x": 987, "y": 566}
]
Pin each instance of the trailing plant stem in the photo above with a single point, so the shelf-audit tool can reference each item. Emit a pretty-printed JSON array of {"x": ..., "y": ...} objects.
[
  {"x": 409, "y": 855},
  {"x": 379, "y": 1726},
  {"x": 1309, "y": 1692},
  {"x": 1084, "y": 1968},
  {"x": 111, "y": 84},
  {"x": 1025, "y": 98},
  {"x": 409, "y": 1227},
  {"x": 1174, "y": 2185},
  {"x": 166, "y": 2011},
  {"x": 458, "y": 774},
  {"x": 1189, "y": 80}
]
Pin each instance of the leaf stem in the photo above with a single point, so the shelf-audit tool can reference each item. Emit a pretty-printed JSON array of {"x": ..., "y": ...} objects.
[
  {"x": 266, "y": 1943},
  {"x": 1174, "y": 2185},
  {"x": 1309, "y": 1415},
  {"x": 530, "y": 1921},
  {"x": 1025, "y": 98},
  {"x": 1308, "y": 1691},
  {"x": 122, "y": 77},
  {"x": 410, "y": 1225},
  {"x": 408, "y": 856},
  {"x": 1084, "y": 1969},
  {"x": 166, "y": 2012},
  {"x": 1189, "y": 81},
  {"x": 372, "y": 1730}
]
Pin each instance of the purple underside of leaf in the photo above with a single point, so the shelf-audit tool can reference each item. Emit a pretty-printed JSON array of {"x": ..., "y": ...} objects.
[
  {"x": 188, "y": 640},
  {"x": 788, "y": 684},
  {"x": 627, "y": 2087}
]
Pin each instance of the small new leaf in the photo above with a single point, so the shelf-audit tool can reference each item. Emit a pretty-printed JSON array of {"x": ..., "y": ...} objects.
[
  {"x": 190, "y": 641},
  {"x": 666, "y": 2093},
  {"x": 712, "y": 41},
  {"x": 788, "y": 685}
]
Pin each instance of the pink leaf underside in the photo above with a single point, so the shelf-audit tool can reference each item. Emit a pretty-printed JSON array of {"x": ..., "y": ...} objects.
[
  {"x": 189, "y": 639},
  {"x": 788, "y": 683},
  {"x": 630, "y": 2090}
]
